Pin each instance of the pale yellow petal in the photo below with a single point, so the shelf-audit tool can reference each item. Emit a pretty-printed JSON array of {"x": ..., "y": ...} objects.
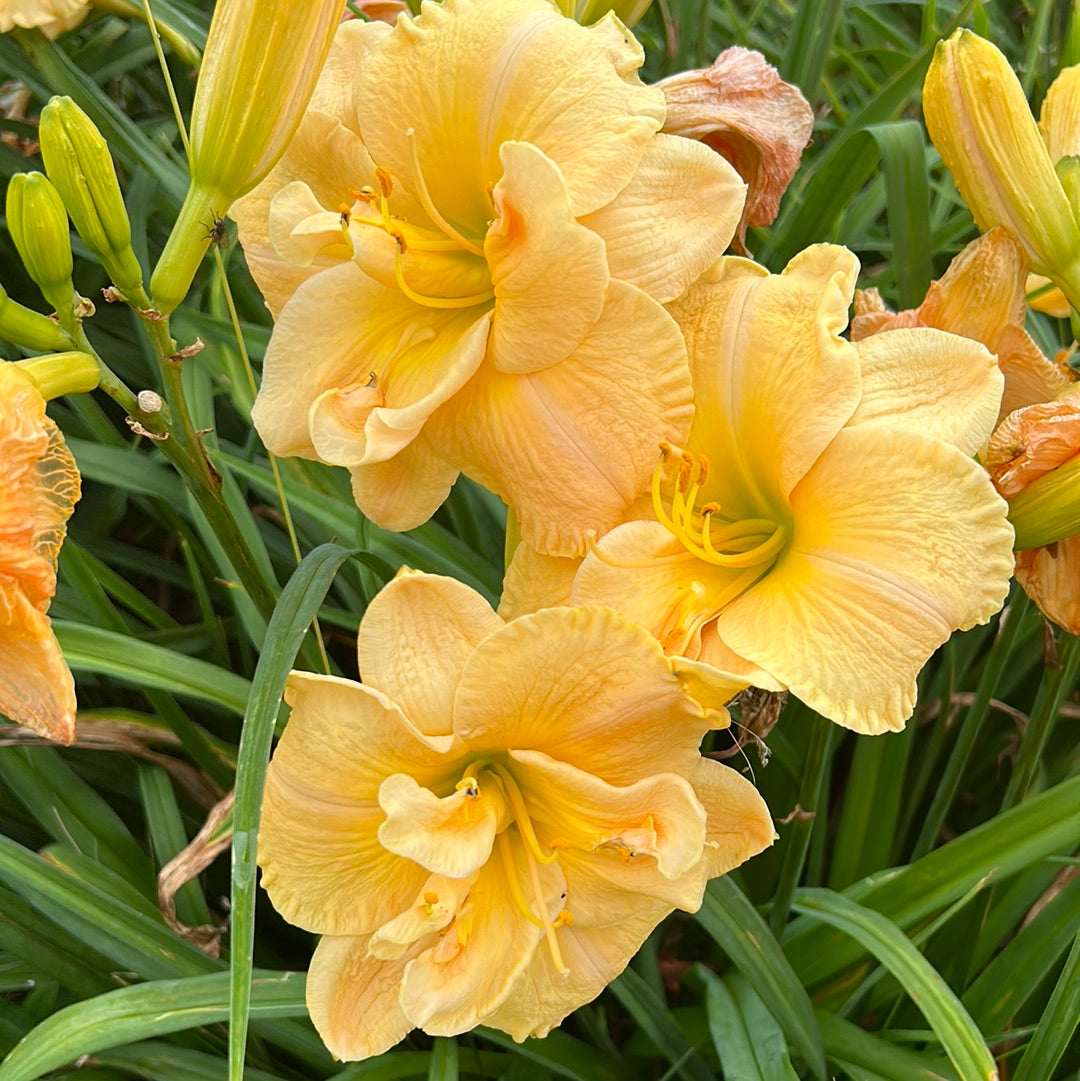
[
  {"x": 1059, "y": 121},
  {"x": 1044, "y": 296},
  {"x": 549, "y": 273},
  {"x": 1050, "y": 576},
  {"x": 353, "y": 999},
  {"x": 929, "y": 382},
  {"x": 1029, "y": 377},
  {"x": 585, "y": 687},
  {"x": 434, "y": 907},
  {"x": 531, "y": 75},
  {"x": 428, "y": 622},
  {"x": 534, "y": 581},
  {"x": 899, "y": 540},
  {"x": 322, "y": 863},
  {"x": 740, "y": 825},
  {"x": 570, "y": 447},
  {"x": 452, "y": 986},
  {"x": 335, "y": 92},
  {"x": 449, "y": 835},
  {"x": 673, "y": 220},
  {"x": 762, "y": 347},
  {"x": 657, "y": 819},
  {"x": 407, "y": 490},
  {"x": 378, "y": 372}
]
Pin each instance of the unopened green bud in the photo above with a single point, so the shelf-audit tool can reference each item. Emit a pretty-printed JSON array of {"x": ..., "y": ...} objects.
[
  {"x": 80, "y": 167},
  {"x": 62, "y": 373},
  {"x": 261, "y": 63},
  {"x": 1048, "y": 509},
  {"x": 29, "y": 328},
  {"x": 587, "y": 12},
  {"x": 38, "y": 224},
  {"x": 1068, "y": 172}
]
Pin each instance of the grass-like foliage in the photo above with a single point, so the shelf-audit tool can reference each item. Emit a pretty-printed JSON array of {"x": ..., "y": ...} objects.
[{"x": 919, "y": 916}]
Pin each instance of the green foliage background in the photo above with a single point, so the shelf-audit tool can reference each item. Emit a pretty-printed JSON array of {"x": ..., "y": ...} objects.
[{"x": 917, "y": 919}]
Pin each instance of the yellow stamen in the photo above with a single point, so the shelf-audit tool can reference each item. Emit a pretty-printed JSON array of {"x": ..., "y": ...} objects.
[
  {"x": 564, "y": 919},
  {"x": 521, "y": 814},
  {"x": 434, "y": 302},
  {"x": 426, "y": 202}
]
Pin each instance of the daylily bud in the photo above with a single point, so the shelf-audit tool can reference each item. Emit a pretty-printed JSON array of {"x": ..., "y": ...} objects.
[
  {"x": 79, "y": 165},
  {"x": 29, "y": 328},
  {"x": 979, "y": 119},
  {"x": 61, "y": 373},
  {"x": 1048, "y": 509},
  {"x": 38, "y": 224},
  {"x": 1059, "y": 120},
  {"x": 587, "y": 12},
  {"x": 259, "y": 70}
]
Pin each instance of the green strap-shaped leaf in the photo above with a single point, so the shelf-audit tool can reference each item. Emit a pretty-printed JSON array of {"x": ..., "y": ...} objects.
[
  {"x": 297, "y": 606},
  {"x": 962, "y": 1041},
  {"x": 733, "y": 1042},
  {"x": 146, "y": 1009},
  {"x": 733, "y": 922},
  {"x": 1059, "y": 1022},
  {"x": 854, "y": 1046}
]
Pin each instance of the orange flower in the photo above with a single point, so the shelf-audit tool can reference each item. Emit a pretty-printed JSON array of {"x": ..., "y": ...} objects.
[{"x": 39, "y": 486}]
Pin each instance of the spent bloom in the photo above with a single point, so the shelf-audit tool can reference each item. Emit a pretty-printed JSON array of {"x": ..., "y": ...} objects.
[
  {"x": 743, "y": 110},
  {"x": 454, "y": 248},
  {"x": 1003, "y": 163},
  {"x": 487, "y": 828},
  {"x": 39, "y": 486},
  {"x": 981, "y": 296},
  {"x": 51, "y": 17},
  {"x": 824, "y": 528}
]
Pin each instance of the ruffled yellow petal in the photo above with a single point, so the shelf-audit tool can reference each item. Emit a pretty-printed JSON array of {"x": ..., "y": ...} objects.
[
  {"x": 435, "y": 906},
  {"x": 570, "y": 447},
  {"x": 656, "y": 819},
  {"x": 740, "y": 825},
  {"x": 405, "y": 491},
  {"x": 532, "y": 75},
  {"x": 898, "y": 541},
  {"x": 541, "y": 997},
  {"x": 51, "y": 17},
  {"x": 931, "y": 383},
  {"x": 353, "y": 998},
  {"x": 450, "y": 835},
  {"x": 762, "y": 347},
  {"x": 422, "y": 616},
  {"x": 533, "y": 581},
  {"x": 585, "y": 687},
  {"x": 549, "y": 272},
  {"x": 377, "y": 375},
  {"x": 469, "y": 971},
  {"x": 322, "y": 864},
  {"x": 695, "y": 197}
]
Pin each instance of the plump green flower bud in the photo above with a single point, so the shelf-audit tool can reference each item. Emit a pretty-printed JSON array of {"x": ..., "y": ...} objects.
[
  {"x": 38, "y": 224},
  {"x": 1048, "y": 509},
  {"x": 29, "y": 328},
  {"x": 62, "y": 373},
  {"x": 262, "y": 60},
  {"x": 587, "y": 12},
  {"x": 80, "y": 167}
]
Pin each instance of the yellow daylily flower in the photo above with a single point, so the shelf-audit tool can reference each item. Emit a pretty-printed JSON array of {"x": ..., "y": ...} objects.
[
  {"x": 825, "y": 528},
  {"x": 1004, "y": 167},
  {"x": 743, "y": 109},
  {"x": 454, "y": 247},
  {"x": 39, "y": 486},
  {"x": 486, "y": 829},
  {"x": 51, "y": 17},
  {"x": 981, "y": 296}
]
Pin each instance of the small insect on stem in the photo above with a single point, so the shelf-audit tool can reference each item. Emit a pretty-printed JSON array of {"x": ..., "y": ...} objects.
[{"x": 215, "y": 231}]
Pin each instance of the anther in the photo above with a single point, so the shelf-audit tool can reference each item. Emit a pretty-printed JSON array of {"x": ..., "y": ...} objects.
[
  {"x": 431, "y": 898},
  {"x": 386, "y": 183}
]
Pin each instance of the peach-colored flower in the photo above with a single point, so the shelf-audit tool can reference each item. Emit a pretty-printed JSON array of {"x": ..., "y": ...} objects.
[
  {"x": 454, "y": 248},
  {"x": 743, "y": 109},
  {"x": 826, "y": 527},
  {"x": 487, "y": 828},
  {"x": 1033, "y": 459},
  {"x": 981, "y": 296},
  {"x": 51, "y": 17},
  {"x": 39, "y": 486}
]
